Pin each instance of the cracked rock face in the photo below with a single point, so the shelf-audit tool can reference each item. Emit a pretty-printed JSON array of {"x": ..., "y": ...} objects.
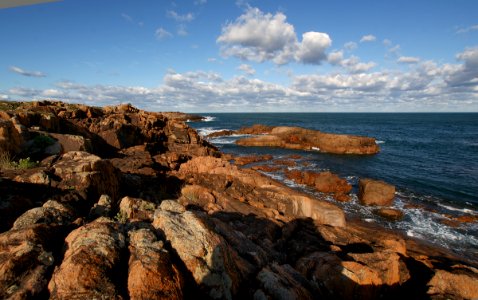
[{"x": 90, "y": 268}]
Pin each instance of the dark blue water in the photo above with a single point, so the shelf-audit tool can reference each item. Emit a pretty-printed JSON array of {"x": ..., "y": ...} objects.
[{"x": 432, "y": 158}]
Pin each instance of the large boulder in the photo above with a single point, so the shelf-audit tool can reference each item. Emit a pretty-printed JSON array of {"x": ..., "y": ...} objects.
[
  {"x": 215, "y": 266},
  {"x": 375, "y": 192},
  {"x": 52, "y": 212},
  {"x": 459, "y": 283},
  {"x": 87, "y": 174},
  {"x": 26, "y": 260},
  {"x": 11, "y": 140},
  {"x": 151, "y": 273},
  {"x": 90, "y": 267}
]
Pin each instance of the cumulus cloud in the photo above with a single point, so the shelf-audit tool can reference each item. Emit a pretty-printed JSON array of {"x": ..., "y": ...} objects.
[
  {"x": 466, "y": 76},
  {"x": 313, "y": 46},
  {"x": 247, "y": 69},
  {"x": 408, "y": 60},
  {"x": 162, "y": 33},
  {"x": 368, "y": 38},
  {"x": 24, "y": 72},
  {"x": 180, "y": 18},
  {"x": 428, "y": 86},
  {"x": 351, "y": 64},
  {"x": 258, "y": 36}
]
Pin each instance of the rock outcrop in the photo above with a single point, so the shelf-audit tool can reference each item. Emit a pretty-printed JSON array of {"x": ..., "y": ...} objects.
[
  {"x": 137, "y": 205},
  {"x": 247, "y": 191},
  {"x": 305, "y": 139},
  {"x": 375, "y": 192}
]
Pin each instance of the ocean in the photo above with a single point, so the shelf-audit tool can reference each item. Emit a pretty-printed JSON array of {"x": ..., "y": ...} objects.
[{"x": 431, "y": 158}]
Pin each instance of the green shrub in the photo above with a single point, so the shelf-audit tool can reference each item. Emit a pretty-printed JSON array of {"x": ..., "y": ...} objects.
[
  {"x": 26, "y": 163},
  {"x": 7, "y": 162},
  {"x": 121, "y": 217}
]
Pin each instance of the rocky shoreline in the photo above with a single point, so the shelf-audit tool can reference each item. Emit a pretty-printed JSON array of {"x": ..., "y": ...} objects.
[{"x": 125, "y": 203}]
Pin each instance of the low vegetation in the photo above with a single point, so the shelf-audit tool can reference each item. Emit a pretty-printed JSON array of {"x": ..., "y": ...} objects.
[{"x": 8, "y": 163}]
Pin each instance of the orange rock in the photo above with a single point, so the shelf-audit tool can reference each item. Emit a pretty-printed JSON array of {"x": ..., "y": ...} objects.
[
  {"x": 390, "y": 214},
  {"x": 306, "y": 139},
  {"x": 245, "y": 160},
  {"x": 151, "y": 273},
  {"x": 325, "y": 182},
  {"x": 90, "y": 263},
  {"x": 460, "y": 283},
  {"x": 374, "y": 192},
  {"x": 266, "y": 168}
]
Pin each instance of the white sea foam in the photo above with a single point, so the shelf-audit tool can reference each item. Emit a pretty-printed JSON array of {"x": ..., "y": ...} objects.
[
  {"x": 209, "y": 119},
  {"x": 464, "y": 210},
  {"x": 379, "y": 142},
  {"x": 222, "y": 141},
  {"x": 316, "y": 148},
  {"x": 203, "y": 131}
]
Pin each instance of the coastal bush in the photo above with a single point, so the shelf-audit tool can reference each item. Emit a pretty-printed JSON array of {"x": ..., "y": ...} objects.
[
  {"x": 121, "y": 217},
  {"x": 7, "y": 162}
]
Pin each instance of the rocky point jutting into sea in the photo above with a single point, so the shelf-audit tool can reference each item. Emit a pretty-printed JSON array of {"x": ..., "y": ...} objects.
[{"x": 125, "y": 203}]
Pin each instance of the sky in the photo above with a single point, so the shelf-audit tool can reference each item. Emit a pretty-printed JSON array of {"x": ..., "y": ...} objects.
[{"x": 244, "y": 56}]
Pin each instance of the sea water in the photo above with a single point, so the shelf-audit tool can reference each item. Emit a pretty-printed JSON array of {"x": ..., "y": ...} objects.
[{"x": 431, "y": 158}]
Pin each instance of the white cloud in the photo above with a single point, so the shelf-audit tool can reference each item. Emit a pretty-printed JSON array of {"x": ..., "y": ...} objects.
[
  {"x": 200, "y": 2},
  {"x": 350, "y": 46},
  {"x": 368, "y": 38},
  {"x": 180, "y": 18},
  {"x": 23, "y": 72},
  {"x": 247, "y": 69},
  {"x": 351, "y": 64},
  {"x": 312, "y": 48},
  {"x": 408, "y": 60},
  {"x": 387, "y": 42},
  {"x": 428, "y": 86},
  {"x": 468, "y": 29},
  {"x": 465, "y": 76},
  {"x": 336, "y": 57},
  {"x": 259, "y": 37},
  {"x": 162, "y": 33}
]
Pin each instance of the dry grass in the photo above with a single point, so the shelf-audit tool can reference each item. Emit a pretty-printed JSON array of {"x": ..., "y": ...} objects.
[{"x": 6, "y": 161}]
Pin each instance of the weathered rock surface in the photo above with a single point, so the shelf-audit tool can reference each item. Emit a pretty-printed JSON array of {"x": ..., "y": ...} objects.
[
  {"x": 374, "y": 192},
  {"x": 247, "y": 191},
  {"x": 325, "y": 182},
  {"x": 26, "y": 260},
  {"x": 215, "y": 266},
  {"x": 90, "y": 267},
  {"x": 138, "y": 209},
  {"x": 307, "y": 139},
  {"x": 151, "y": 273},
  {"x": 460, "y": 283}
]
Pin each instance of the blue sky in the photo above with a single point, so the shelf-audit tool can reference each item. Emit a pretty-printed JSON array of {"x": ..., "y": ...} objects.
[{"x": 260, "y": 56}]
